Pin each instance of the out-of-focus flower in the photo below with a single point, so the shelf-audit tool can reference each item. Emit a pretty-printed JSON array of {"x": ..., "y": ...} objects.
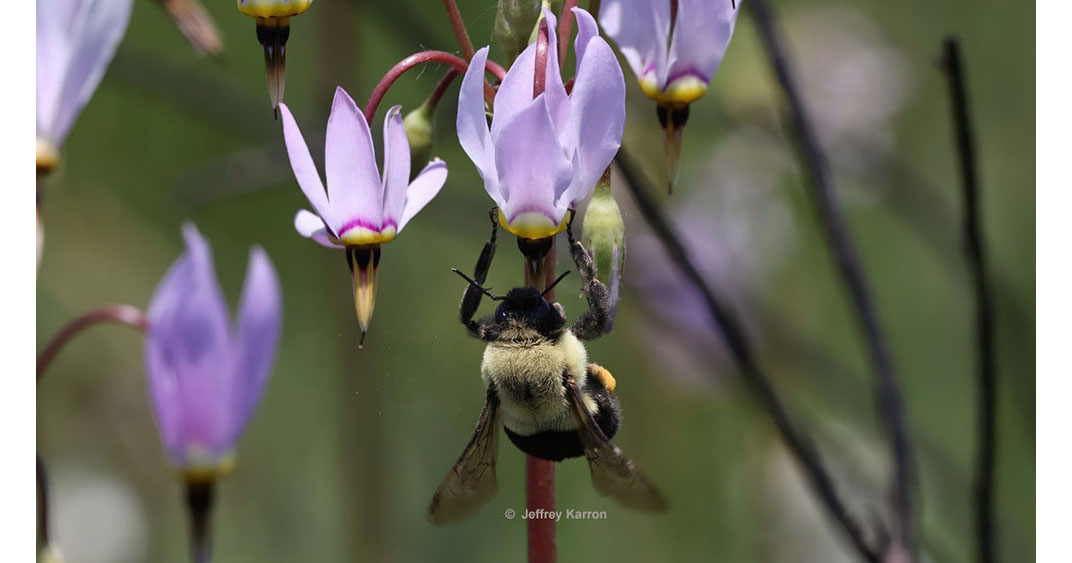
[
  {"x": 273, "y": 31},
  {"x": 205, "y": 374},
  {"x": 195, "y": 24},
  {"x": 604, "y": 237},
  {"x": 544, "y": 154},
  {"x": 360, "y": 210},
  {"x": 76, "y": 39},
  {"x": 675, "y": 47},
  {"x": 737, "y": 230}
]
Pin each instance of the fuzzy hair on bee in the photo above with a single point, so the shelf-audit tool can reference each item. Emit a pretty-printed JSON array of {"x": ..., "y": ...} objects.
[{"x": 541, "y": 389}]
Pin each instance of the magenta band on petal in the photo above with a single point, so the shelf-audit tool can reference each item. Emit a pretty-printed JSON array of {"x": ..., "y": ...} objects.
[
  {"x": 684, "y": 73},
  {"x": 361, "y": 223}
]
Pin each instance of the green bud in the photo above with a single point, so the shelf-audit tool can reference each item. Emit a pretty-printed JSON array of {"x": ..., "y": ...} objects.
[
  {"x": 420, "y": 131},
  {"x": 514, "y": 22},
  {"x": 604, "y": 237}
]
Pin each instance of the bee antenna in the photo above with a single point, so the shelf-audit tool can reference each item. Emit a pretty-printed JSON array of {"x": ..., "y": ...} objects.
[
  {"x": 554, "y": 283},
  {"x": 478, "y": 286}
]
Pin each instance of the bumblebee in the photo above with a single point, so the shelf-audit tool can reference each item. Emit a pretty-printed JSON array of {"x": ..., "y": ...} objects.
[{"x": 550, "y": 402}]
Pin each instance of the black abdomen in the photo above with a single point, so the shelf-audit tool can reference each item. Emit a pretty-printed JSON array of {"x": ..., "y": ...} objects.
[{"x": 557, "y": 445}]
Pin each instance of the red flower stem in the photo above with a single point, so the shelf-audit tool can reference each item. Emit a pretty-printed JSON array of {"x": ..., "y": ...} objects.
[
  {"x": 540, "y": 473},
  {"x": 457, "y": 63},
  {"x": 122, "y": 314},
  {"x": 460, "y": 32},
  {"x": 565, "y": 25},
  {"x": 539, "y": 79}
]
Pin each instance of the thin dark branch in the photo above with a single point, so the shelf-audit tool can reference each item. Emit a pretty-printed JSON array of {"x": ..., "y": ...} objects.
[
  {"x": 799, "y": 443},
  {"x": 121, "y": 314},
  {"x": 983, "y": 487},
  {"x": 887, "y": 388}
]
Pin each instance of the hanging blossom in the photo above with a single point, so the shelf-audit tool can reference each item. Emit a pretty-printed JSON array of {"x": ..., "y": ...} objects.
[
  {"x": 543, "y": 155},
  {"x": 361, "y": 209},
  {"x": 674, "y": 46},
  {"x": 205, "y": 375},
  {"x": 273, "y": 31},
  {"x": 76, "y": 39}
]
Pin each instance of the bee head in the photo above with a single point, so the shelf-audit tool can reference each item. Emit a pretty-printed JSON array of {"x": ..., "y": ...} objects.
[{"x": 526, "y": 306}]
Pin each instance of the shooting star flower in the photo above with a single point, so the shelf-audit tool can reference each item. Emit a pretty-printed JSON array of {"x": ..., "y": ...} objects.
[
  {"x": 273, "y": 30},
  {"x": 76, "y": 39},
  {"x": 543, "y": 155},
  {"x": 675, "y": 47},
  {"x": 205, "y": 374},
  {"x": 360, "y": 210}
]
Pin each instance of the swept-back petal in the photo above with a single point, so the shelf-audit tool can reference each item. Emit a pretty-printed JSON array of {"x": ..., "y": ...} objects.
[
  {"x": 533, "y": 171},
  {"x": 586, "y": 30},
  {"x": 701, "y": 35},
  {"x": 396, "y": 166},
  {"x": 310, "y": 225},
  {"x": 516, "y": 91},
  {"x": 256, "y": 336},
  {"x": 597, "y": 119},
  {"x": 423, "y": 188},
  {"x": 188, "y": 355},
  {"x": 304, "y": 169},
  {"x": 472, "y": 124},
  {"x": 641, "y": 28},
  {"x": 354, "y": 186},
  {"x": 94, "y": 32}
]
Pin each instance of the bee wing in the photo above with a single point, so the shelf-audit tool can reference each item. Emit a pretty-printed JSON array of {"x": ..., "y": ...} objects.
[
  {"x": 613, "y": 474},
  {"x": 471, "y": 482}
]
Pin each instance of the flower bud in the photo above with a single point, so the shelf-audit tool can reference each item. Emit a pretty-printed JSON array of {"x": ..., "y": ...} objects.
[
  {"x": 420, "y": 131},
  {"x": 604, "y": 237},
  {"x": 514, "y": 22}
]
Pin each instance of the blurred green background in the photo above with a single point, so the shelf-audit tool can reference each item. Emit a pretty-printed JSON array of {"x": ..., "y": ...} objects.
[{"x": 340, "y": 460}]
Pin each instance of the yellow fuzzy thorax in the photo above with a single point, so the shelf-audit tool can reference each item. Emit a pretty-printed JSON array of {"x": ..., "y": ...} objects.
[
  {"x": 272, "y": 8},
  {"x": 680, "y": 92},
  {"x": 533, "y": 226}
]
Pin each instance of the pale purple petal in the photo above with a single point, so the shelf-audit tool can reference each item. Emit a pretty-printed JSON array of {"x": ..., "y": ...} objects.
[
  {"x": 641, "y": 28},
  {"x": 423, "y": 188},
  {"x": 597, "y": 119},
  {"x": 472, "y": 124},
  {"x": 701, "y": 35},
  {"x": 94, "y": 32},
  {"x": 256, "y": 336},
  {"x": 531, "y": 165},
  {"x": 188, "y": 356},
  {"x": 354, "y": 186},
  {"x": 302, "y": 164},
  {"x": 586, "y": 30},
  {"x": 396, "y": 166},
  {"x": 310, "y": 225},
  {"x": 516, "y": 91}
]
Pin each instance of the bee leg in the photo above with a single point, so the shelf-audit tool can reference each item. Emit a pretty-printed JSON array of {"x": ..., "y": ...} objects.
[
  {"x": 590, "y": 325},
  {"x": 603, "y": 375},
  {"x": 472, "y": 295}
]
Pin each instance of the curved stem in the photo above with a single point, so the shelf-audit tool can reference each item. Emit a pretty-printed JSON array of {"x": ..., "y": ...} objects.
[
  {"x": 758, "y": 383},
  {"x": 983, "y": 487},
  {"x": 458, "y": 24},
  {"x": 121, "y": 314},
  {"x": 887, "y": 387},
  {"x": 440, "y": 89},
  {"x": 457, "y": 63}
]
